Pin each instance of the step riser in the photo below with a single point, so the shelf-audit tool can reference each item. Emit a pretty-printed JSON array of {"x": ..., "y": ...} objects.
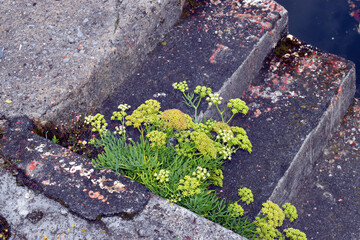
[{"x": 303, "y": 162}]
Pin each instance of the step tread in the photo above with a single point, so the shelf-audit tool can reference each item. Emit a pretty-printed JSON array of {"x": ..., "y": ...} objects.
[
  {"x": 296, "y": 103},
  {"x": 221, "y": 45}
]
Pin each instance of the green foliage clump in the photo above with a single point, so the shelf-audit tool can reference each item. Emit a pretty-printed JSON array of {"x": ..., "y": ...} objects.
[{"x": 179, "y": 158}]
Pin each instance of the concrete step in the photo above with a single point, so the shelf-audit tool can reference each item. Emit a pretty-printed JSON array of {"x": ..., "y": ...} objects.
[
  {"x": 58, "y": 57},
  {"x": 249, "y": 30},
  {"x": 328, "y": 198},
  {"x": 221, "y": 45},
  {"x": 296, "y": 102},
  {"x": 297, "y": 98}
]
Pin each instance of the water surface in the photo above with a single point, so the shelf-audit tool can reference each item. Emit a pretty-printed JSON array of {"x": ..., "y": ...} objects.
[{"x": 331, "y": 25}]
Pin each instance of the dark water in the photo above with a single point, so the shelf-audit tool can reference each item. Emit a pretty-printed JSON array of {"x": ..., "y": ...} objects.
[{"x": 330, "y": 25}]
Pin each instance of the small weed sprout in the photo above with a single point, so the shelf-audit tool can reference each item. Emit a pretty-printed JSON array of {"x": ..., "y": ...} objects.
[{"x": 55, "y": 139}]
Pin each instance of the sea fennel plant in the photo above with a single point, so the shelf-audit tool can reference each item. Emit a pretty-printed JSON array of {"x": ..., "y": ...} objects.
[{"x": 177, "y": 156}]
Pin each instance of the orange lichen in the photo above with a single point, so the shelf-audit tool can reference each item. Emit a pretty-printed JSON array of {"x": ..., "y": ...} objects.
[{"x": 93, "y": 194}]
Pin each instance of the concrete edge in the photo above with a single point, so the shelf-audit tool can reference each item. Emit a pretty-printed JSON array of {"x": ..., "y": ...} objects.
[
  {"x": 183, "y": 221},
  {"x": 248, "y": 70},
  {"x": 302, "y": 164}
]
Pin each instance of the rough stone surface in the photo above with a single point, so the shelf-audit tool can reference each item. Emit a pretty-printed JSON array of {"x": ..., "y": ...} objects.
[
  {"x": 295, "y": 104},
  {"x": 31, "y": 215},
  {"x": 67, "y": 177},
  {"x": 221, "y": 45},
  {"x": 62, "y": 56},
  {"x": 329, "y": 197}
]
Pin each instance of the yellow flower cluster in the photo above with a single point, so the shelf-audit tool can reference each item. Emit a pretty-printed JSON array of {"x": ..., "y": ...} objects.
[
  {"x": 146, "y": 113},
  {"x": 266, "y": 231},
  {"x": 174, "y": 119},
  {"x": 246, "y": 195},
  {"x": 226, "y": 152},
  {"x": 214, "y": 99},
  {"x": 290, "y": 211},
  {"x": 182, "y": 86},
  {"x": 162, "y": 176},
  {"x": 225, "y": 135},
  {"x": 237, "y": 105},
  {"x": 274, "y": 213},
  {"x": 295, "y": 234},
  {"x": 236, "y": 210},
  {"x": 202, "y": 91},
  {"x": 120, "y": 115},
  {"x": 97, "y": 122},
  {"x": 189, "y": 186},
  {"x": 120, "y": 130},
  {"x": 204, "y": 144},
  {"x": 220, "y": 126},
  {"x": 175, "y": 198},
  {"x": 272, "y": 216},
  {"x": 201, "y": 173},
  {"x": 241, "y": 139},
  {"x": 157, "y": 138}
]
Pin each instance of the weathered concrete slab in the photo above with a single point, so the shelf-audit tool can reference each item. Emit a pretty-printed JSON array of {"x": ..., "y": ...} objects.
[
  {"x": 296, "y": 103},
  {"x": 69, "y": 178},
  {"x": 329, "y": 197},
  {"x": 221, "y": 45},
  {"x": 63, "y": 56},
  {"x": 33, "y": 216}
]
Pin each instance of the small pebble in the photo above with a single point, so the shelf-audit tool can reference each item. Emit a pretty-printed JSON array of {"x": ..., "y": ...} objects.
[
  {"x": 64, "y": 212},
  {"x": 79, "y": 33},
  {"x": 70, "y": 39}
]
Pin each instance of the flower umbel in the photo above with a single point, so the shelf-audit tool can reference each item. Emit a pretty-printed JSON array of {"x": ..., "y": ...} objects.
[
  {"x": 189, "y": 186},
  {"x": 202, "y": 91},
  {"x": 97, "y": 122},
  {"x": 156, "y": 138},
  {"x": 246, "y": 195},
  {"x": 295, "y": 234},
  {"x": 290, "y": 211},
  {"x": 236, "y": 210},
  {"x": 214, "y": 99},
  {"x": 182, "y": 86},
  {"x": 162, "y": 176}
]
